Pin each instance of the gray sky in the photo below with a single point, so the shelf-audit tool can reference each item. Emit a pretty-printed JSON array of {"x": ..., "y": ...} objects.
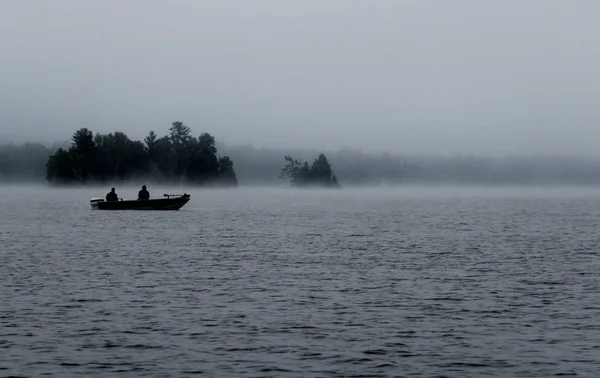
[{"x": 488, "y": 77}]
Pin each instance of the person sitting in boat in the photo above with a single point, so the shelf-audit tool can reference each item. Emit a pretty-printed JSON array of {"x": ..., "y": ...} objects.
[
  {"x": 143, "y": 194},
  {"x": 112, "y": 196}
]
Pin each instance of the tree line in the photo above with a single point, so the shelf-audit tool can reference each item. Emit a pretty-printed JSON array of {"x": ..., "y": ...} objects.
[
  {"x": 254, "y": 166},
  {"x": 353, "y": 167},
  {"x": 177, "y": 157},
  {"x": 26, "y": 162}
]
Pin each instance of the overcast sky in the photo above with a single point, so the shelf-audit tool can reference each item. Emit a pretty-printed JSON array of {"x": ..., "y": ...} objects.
[{"x": 486, "y": 77}]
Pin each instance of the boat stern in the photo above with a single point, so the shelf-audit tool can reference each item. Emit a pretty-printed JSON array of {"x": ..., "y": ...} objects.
[{"x": 94, "y": 203}]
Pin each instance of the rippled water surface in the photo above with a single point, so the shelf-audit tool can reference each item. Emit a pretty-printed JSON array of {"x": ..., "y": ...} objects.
[{"x": 282, "y": 283}]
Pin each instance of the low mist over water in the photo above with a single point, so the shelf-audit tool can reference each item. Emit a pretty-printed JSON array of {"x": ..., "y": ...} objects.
[{"x": 280, "y": 282}]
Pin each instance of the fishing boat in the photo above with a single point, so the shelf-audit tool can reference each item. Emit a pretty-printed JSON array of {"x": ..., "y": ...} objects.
[{"x": 170, "y": 202}]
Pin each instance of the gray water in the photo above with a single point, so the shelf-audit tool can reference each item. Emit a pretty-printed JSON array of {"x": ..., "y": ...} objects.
[{"x": 293, "y": 283}]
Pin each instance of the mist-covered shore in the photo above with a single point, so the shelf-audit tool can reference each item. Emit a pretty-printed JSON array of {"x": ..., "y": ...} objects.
[{"x": 26, "y": 163}]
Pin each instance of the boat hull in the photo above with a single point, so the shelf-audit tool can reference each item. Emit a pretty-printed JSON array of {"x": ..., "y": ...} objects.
[{"x": 175, "y": 203}]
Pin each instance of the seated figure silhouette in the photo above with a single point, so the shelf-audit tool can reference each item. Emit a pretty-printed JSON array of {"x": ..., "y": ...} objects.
[
  {"x": 143, "y": 194},
  {"x": 112, "y": 196}
]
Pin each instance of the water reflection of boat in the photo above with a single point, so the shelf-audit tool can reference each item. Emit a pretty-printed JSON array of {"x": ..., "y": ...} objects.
[{"x": 170, "y": 202}]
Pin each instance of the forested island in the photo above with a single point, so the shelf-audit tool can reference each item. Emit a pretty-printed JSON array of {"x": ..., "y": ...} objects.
[
  {"x": 268, "y": 166},
  {"x": 300, "y": 174},
  {"x": 177, "y": 157}
]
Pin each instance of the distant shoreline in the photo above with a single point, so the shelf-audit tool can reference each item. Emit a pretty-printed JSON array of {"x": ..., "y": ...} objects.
[{"x": 26, "y": 163}]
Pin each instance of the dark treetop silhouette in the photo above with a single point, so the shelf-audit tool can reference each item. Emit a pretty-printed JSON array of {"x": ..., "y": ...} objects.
[
  {"x": 301, "y": 174},
  {"x": 173, "y": 158}
]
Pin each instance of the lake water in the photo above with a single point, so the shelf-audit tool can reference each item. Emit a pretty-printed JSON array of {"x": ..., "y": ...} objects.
[{"x": 293, "y": 283}]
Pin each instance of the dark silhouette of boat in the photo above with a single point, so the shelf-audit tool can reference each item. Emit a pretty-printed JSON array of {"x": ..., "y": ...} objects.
[{"x": 170, "y": 202}]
